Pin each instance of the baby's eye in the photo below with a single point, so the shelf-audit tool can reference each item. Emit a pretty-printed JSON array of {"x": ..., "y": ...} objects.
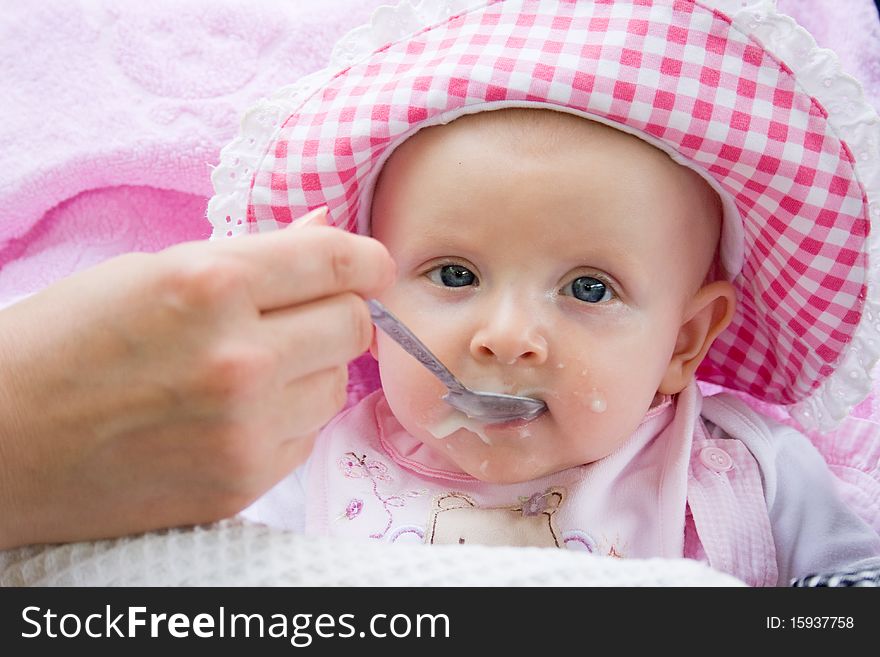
[
  {"x": 589, "y": 289},
  {"x": 452, "y": 276}
]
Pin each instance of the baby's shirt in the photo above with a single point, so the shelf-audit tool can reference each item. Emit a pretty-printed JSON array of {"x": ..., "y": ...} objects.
[
  {"x": 814, "y": 531},
  {"x": 761, "y": 508}
]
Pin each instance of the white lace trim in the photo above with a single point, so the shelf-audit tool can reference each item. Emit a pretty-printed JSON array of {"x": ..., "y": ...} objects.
[
  {"x": 239, "y": 159},
  {"x": 392, "y": 24},
  {"x": 231, "y": 178},
  {"x": 817, "y": 72}
]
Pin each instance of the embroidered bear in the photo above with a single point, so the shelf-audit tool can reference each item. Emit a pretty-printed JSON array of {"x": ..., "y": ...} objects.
[{"x": 456, "y": 518}]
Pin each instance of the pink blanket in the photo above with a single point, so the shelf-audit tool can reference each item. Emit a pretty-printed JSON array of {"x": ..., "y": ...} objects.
[{"x": 113, "y": 113}]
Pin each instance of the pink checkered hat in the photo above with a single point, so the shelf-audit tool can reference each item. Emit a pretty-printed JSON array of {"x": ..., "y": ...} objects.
[{"x": 729, "y": 88}]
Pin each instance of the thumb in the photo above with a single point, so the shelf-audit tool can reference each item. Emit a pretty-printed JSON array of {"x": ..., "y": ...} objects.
[{"x": 317, "y": 217}]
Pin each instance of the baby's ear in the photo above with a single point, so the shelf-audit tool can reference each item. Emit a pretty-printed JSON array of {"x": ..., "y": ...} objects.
[{"x": 708, "y": 314}]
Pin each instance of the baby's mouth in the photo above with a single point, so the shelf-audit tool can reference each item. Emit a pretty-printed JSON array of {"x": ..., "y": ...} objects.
[
  {"x": 455, "y": 420},
  {"x": 491, "y": 384},
  {"x": 496, "y": 387},
  {"x": 513, "y": 424}
]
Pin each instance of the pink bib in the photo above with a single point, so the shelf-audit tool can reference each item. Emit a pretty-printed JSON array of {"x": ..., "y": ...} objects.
[{"x": 369, "y": 478}]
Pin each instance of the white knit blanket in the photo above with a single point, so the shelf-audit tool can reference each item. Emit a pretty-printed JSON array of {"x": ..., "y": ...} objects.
[{"x": 237, "y": 553}]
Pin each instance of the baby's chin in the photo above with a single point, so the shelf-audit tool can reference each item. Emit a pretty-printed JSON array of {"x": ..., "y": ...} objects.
[
  {"x": 511, "y": 458},
  {"x": 497, "y": 471},
  {"x": 492, "y": 463},
  {"x": 507, "y": 454}
]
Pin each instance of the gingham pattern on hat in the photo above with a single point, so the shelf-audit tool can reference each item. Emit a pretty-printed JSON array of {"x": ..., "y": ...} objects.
[{"x": 673, "y": 70}]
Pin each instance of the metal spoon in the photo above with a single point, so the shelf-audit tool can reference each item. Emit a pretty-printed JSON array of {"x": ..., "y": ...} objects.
[{"x": 489, "y": 407}]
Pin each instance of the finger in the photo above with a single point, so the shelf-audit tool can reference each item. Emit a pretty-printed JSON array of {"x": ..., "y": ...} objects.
[
  {"x": 318, "y": 335},
  {"x": 317, "y": 217},
  {"x": 279, "y": 462},
  {"x": 289, "y": 266},
  {"x": 291, "y": 454},
  {"x": 308, "y": 403}
]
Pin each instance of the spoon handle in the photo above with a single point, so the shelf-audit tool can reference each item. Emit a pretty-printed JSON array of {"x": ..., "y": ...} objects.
[{"x": 383, "y": 318}]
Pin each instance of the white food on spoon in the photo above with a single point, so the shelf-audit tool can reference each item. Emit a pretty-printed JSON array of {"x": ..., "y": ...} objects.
[{"x": 457, "y": 420}]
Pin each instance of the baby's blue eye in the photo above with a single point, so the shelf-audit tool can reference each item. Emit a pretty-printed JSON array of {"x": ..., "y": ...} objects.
[
  {"x": 452, "y": 276},
  {"x": 589, "y": 289}
]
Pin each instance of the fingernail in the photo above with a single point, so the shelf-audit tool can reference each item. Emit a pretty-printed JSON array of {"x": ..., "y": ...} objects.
[{"x": 317, "y": 217}]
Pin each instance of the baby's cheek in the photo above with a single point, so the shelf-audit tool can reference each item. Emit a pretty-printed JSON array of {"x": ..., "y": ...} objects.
[
  {"x": 583, "y": 389},
  {"x": 593, "y": 407},
  {"x": 425, "y": 404},
  {"x": 412, "y": 392},
  {"x": 585, "y": 408}
]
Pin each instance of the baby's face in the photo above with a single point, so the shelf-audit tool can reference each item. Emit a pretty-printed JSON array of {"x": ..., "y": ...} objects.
[{"x": 557, "y": 266}]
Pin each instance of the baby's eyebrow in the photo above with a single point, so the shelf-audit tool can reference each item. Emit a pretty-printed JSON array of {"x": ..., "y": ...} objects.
[{"x": 614, "y": 260}]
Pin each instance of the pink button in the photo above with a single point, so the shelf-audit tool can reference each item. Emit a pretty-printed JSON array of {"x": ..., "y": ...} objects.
[{"x": 716, "y": 459}]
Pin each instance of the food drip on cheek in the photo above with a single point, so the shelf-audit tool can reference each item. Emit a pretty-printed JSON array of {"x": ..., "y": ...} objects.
[{"x": 594, "y": 400}]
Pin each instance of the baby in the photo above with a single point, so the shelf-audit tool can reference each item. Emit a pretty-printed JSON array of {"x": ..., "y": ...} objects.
[
  {"x": 544, "y": 255},
  {"x": 548, "y": 247}
]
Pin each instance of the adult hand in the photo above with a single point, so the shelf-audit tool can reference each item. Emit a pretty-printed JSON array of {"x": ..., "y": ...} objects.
[{"x": 174, "y": 388}]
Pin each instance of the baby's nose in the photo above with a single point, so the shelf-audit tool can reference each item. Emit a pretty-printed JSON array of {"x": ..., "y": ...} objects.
[{"x": 510, "y": 345}]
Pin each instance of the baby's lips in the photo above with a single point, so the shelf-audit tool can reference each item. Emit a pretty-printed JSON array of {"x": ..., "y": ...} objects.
[{"x": 511, "y": 424}]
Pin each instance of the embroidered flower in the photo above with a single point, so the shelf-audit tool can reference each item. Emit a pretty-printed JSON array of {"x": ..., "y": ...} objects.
[
  {"x": 350, "y": 465},
  {"x": 357, "y": 466},
  {"x": 354, "y": 508},
  {"x": 377, "y": 470},
  {"x": 354, "y": 466}
]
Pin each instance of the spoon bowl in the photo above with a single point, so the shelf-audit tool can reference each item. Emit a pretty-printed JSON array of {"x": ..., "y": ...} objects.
[
  {"x": 495, "y": 408},
  {"x": 488, "y": 407}
]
